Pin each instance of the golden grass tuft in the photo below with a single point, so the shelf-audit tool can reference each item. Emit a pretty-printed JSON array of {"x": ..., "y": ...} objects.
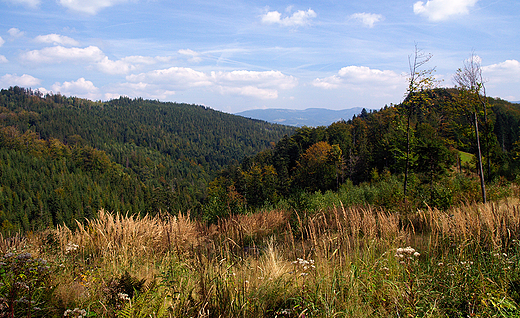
[
  {"x": 493, "y": 224},
  {"x": 259, "y": 225},
  {"x": 16, "y": 242}
]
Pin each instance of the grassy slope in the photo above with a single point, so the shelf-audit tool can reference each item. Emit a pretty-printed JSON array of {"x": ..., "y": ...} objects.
[{"x": 340, "y": 262}]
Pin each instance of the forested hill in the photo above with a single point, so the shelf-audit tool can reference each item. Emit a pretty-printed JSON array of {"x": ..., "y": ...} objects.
[
  {"x": 372, "y": 147},
  {"x": 54, "y": 148}
]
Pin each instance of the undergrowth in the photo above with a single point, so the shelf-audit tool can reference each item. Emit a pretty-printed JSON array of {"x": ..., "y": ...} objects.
[{"x": 333, "y": 261}]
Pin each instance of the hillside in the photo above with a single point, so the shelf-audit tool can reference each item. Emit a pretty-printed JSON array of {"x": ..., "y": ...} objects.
[
  {"x": 310, "y": 117},
  {"x": 166, "y": 151},
  {"x": 366, "y": 156},
  {"x": 64, "y": 158}
]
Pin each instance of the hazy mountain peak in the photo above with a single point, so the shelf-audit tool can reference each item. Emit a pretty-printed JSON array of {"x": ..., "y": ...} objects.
[{"x": 311, "y": 117}]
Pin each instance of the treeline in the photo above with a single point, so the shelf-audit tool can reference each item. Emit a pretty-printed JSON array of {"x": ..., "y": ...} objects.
[
  {"x": 372, "y": 147},
  {"x": 63, "y": 158}
]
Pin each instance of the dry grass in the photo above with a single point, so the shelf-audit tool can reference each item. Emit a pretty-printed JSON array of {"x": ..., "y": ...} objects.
[
  {"x": 16, "y": 242},
  {"x": 494, "y": 224},
  {"x": 244, "y": 265}
]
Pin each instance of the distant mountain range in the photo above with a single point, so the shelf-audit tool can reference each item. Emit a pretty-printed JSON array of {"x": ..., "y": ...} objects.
[{"x": 311, "y": 117}]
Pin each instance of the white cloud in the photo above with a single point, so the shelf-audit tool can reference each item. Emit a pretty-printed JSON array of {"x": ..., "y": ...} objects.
[
  {"x": 124, "y": 65},
  {"x": 58, "y": 54},
  {"x": 15, "y": 33},
  {"x": 14, "y": 80},
  {"x": 3, "y": 59},
  {"x": 56, "y": 39},
  {"x": 355, "y": 74},
  {"x": 365, "y": 80},
  {"x": 44, "y": 91},
  {"x": 263, "y": 85},
  {"x": 252, "y": 91},
  {"x": 89, "y": 55},
  {"x": 193, "y": 56},
  {"x": 1, "y": 41},
  {"x": 28, "y": 3},
  {"x": 503, "y": 79},
  {"x": 260, "y": 79},
  {"x": 505, "y": 72},
  {"x": 330, "y": 82},
  {"x": 174, "y": 77},
  {"x": 368, "y": 19},
  {"x": 91, "y": 6},
  {"x": 298, "y": 18},
  {"x": 115, "y": 67},
  {"x": 438, "y": 10},
  {"x": 80, "y": 88}
]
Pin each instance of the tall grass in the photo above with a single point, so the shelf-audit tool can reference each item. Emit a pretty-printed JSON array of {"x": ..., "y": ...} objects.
[{"x": 335, "y": 262}]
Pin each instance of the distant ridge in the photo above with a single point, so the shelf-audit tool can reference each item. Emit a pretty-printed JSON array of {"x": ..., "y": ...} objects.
[{"x": 311, "y": 117}]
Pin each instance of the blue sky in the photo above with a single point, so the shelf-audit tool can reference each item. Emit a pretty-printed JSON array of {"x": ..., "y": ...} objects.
[{"x": 239, "y": 55}]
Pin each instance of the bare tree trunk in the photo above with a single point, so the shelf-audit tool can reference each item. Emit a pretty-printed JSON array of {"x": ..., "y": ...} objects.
[
  {"x": 479, "y": 155},
  {"x": 407, "y": 157}
]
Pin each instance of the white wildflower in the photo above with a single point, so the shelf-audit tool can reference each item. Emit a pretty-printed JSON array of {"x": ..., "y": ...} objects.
[
  {"x": 71, "y": 247},
  {"x": 407, "y": 252},
  {"x": 78, "y": 313}
]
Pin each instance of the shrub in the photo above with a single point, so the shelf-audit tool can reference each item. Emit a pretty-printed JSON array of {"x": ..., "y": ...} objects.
[{"x": 25, "y": 286}]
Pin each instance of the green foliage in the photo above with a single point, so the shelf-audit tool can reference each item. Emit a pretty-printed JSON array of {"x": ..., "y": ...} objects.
[
  {"x": 65, "y": 157},
  {"x": 25, "y": 286},
  {"x": 142, "y": 304},
  {"x": 372, "y": 151}
]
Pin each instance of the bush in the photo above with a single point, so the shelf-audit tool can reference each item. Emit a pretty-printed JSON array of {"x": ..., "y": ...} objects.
[{"x": 25, "y": 286}]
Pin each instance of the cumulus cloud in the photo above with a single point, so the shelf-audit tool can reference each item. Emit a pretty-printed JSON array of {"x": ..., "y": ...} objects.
[
  {"x": 15, "y": 33},
  {"x": 89, "y": 7},
  {"x": 251, "y": 91},
  {"x": 15, "y": 80},
  {"x": 1, "y": 41},
  {"x": 28, "y": 3},
  {"x": 258, "y": 79},
  {"x": 368, "y": 19},
  {"x": 92, "y": 56},
  {"x": 503, "y": 79},
  {"x": 57, "y": 54},
  {"x": 56, "y": 39},
  {"x": 192, "y": 55},
  {"x": 508, "y": 71},
  {"x": 263, "y": 85},
  {"x": 330, "y": 82},
  {"x": 80, "y": 88},
  {"x": 174, "y": 77},
  {"x": 298, "y": 18},
  {"x": 364, "y": 79},
  {"x": 3, "y": 59},
  {"x": 124, "y": 65},
  {"x": 438, "y": 10}
]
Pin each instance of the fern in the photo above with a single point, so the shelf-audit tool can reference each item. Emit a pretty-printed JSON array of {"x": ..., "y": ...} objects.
[{"x": 149, "y": 303}]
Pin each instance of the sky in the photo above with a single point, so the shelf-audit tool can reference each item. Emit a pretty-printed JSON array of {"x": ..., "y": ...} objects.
[{"x": 239, "y": 55}]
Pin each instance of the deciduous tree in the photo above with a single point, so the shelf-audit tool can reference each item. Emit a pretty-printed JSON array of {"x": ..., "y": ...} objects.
[
  {"x": 472, "y": 101},
  {"x": 419, "y": 82}
]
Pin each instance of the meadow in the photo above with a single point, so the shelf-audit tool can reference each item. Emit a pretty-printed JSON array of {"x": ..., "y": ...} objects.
[{"x": 355, "y": 261}]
